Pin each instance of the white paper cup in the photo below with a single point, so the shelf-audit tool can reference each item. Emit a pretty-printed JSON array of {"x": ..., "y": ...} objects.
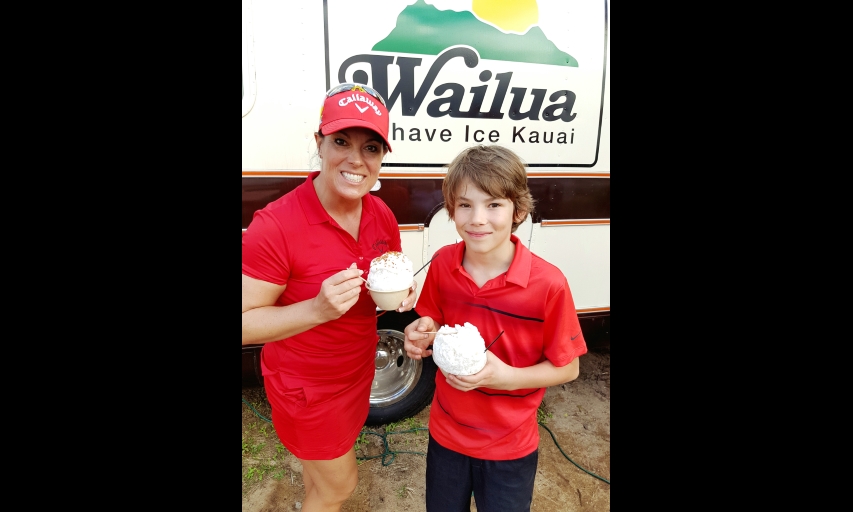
[{"x": 388, "y": 301}]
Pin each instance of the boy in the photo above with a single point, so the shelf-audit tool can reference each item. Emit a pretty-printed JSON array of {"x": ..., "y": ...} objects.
[{"x": 484, "y": 435}]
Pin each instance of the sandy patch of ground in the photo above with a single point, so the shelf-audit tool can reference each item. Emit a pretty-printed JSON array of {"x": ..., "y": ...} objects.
[{"x": 577, "y": 414}]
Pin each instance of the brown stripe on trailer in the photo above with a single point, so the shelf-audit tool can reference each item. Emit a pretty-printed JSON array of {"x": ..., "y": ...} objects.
[{"x": 561, "y": 198}]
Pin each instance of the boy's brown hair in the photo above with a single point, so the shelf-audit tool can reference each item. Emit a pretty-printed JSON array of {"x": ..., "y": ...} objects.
[{"x": 496, "y": 171}]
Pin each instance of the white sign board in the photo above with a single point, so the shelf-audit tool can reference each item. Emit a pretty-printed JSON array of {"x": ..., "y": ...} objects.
[{"x": 528, "y": 75}]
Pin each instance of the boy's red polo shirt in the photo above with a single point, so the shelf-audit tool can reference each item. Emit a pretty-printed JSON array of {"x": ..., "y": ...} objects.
[{"x": 533, "y": 305}]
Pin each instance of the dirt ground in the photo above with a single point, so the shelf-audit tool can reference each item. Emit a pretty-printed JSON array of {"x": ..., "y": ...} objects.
[{"x": 577, "y": 414}]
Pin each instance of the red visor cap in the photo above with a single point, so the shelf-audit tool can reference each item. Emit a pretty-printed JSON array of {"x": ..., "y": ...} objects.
[{"x": 354, "y": 109}]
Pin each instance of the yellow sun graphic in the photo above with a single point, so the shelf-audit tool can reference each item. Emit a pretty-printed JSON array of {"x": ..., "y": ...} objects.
[{"x": 508, "y": 15}]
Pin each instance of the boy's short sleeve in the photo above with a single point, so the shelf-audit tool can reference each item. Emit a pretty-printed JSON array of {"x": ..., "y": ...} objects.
[{"x": 564, "y": 339}]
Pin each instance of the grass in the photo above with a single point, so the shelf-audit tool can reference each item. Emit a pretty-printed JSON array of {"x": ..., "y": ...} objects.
[
  {"x": 262, "y": 452},
  {"x": 361, "y": 442},
  {"x": 403, "y": 492},
  {"x": 360, "y": 448},
  {"x": 542, "y": 415},
  {"x": 409, "y": 435},
  {"x": 406, "y": 424}
]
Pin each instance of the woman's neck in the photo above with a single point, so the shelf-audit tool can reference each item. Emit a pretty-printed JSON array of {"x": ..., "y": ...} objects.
[
  {"x": 333, "y": 203},
  {"x": 346, "y": 212}
]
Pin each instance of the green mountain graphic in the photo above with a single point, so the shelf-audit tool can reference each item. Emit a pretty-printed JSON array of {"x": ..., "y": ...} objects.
[{"x": 423, "y": 29}]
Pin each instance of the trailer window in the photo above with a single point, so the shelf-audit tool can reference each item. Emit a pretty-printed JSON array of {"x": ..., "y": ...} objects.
[{"x": 248, "y": 75}]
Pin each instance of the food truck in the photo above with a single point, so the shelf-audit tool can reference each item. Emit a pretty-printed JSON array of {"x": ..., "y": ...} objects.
[{"x": 532, "y": 75}]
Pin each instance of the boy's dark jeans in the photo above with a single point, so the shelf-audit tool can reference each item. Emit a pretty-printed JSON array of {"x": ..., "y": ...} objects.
[{"x": 498, "y": 485}]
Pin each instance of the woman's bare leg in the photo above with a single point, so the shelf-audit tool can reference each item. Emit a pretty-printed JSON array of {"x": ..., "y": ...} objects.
[
  {"x": 328, "y": 483},
  {"x": 306, "y": 479}
]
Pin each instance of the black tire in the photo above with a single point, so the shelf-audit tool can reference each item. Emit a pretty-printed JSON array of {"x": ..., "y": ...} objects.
[{"x": 402, "y": 387}]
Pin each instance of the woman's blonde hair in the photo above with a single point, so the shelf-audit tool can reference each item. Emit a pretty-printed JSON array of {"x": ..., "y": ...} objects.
[{"x": 496, "y": 171}]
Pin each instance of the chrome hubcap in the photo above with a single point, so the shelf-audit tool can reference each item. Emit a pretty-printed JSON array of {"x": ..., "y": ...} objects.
[{"x": 395, "y": 374}]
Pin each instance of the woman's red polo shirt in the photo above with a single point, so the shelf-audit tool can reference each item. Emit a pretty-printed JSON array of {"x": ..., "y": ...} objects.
[{"x": 326, "y": 371}]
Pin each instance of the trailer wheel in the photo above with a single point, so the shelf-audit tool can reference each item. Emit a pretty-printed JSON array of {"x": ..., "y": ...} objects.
[{"x": 402, "y": 387}]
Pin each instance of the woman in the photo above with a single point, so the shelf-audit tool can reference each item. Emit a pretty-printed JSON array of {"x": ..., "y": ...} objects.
[{"x": 303, "y": 258}]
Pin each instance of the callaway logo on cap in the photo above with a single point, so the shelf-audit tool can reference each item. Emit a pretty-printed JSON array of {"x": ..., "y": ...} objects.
[{"x": 354, "y": 105}]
